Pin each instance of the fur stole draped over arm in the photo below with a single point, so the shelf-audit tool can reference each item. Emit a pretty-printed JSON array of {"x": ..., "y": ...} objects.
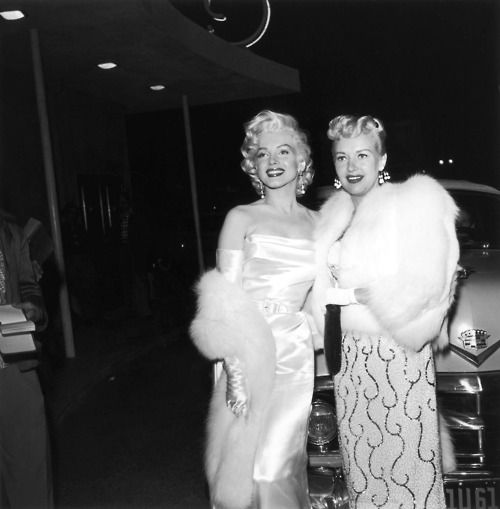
[
  {"x": 334, "y": 217},
  {"x": 228, "y": 324}
]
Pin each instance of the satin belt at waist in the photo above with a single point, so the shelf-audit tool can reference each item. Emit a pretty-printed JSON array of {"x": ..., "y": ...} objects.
[{"x": 274, "y": 306}]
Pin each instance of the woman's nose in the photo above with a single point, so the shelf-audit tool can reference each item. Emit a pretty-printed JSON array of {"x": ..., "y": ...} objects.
[{"x": 351, "y": 165}]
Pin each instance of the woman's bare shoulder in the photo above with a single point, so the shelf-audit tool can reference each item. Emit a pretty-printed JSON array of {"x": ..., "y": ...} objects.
[
  {"x": 236, "y": 225},
  {"x": 242, "y": 213}
]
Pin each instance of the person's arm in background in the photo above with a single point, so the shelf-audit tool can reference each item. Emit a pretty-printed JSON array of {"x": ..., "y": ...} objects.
[{"x": 30, "y": 292}]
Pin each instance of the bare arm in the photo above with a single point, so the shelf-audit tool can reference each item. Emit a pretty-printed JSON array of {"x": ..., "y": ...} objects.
[{"x": 234, "y": 229}]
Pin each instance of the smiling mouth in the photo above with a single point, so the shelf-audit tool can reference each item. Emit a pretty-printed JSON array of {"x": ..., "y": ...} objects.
[
  {"x": 353, "y": 179},
  {"x": 275, "y": 172}
]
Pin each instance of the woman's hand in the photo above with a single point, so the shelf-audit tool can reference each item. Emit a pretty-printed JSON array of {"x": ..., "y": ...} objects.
[
  {"x": 346, "y": 296},
  {"x": 236, "y": 396},
  {"x": 340, "y": 296},
  {"x": 362, "y": 295}
]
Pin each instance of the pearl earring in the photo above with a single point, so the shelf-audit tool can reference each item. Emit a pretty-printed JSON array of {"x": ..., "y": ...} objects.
[
  {"x": 383, "y": 177},
  {"x": 337, "y": 184}
]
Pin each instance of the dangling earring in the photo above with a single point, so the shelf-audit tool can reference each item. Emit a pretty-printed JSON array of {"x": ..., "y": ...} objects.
[
  {"x": 383, "y": 177},
  {"x": 301, "y": 188},
  {"x": 261, "y": 189},
  {"x": 336, "y": 183}
]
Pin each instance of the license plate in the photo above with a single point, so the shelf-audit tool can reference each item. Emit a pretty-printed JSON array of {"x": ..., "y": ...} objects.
[{"x": 473, "y": 494}]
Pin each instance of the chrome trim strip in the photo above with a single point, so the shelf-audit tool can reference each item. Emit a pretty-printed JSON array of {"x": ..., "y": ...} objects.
[
  {"x": 461, "y": 421},
  {"x": 459, "y": 383},
  {"x": 331, "y": 460}
]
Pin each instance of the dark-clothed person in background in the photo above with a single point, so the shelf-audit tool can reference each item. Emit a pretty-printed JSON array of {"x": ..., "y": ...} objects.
[
  {"x": 25, "y": 472},
  {"x": 135, "y": 258}
]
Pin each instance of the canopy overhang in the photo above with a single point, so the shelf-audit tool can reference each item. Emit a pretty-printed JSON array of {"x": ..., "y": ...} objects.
[{"x": 152, "y": 43}]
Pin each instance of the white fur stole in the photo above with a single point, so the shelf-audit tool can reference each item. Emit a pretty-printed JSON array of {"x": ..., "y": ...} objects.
[
  {"x": 401, "y": 245},
  {"x": 228, "y": 323}
]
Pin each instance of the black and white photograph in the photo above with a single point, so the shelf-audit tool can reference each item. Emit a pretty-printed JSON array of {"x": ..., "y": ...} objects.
[{"x": 249, "y": 254}]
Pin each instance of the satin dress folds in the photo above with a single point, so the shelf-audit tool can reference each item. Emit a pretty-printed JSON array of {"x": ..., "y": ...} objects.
[{"x": 278, "y": 272}]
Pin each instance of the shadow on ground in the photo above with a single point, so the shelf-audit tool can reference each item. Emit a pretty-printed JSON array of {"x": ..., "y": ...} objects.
[{"x": 132, "y": 437}]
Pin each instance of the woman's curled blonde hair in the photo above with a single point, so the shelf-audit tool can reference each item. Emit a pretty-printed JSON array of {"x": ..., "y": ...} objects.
[
  {"x": 350, "y": 126},
  {"x": 270, "y": 121}
]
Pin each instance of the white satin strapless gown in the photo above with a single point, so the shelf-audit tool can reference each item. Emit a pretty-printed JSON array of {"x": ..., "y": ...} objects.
[{"x": 278, "y": 273}]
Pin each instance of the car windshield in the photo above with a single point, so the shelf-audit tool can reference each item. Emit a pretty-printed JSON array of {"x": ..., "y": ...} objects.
[{"x": 478, "y": 224}]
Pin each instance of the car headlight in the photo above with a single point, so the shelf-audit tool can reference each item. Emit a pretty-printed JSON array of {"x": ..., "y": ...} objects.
[{"x": 322, "y": 423}]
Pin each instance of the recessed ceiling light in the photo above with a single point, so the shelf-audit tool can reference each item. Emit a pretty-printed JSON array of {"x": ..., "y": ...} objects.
[
  {"x": 157, "y": 88},
  {"x": 107, "y": 65},
  {"x": 12, "y": 15}
]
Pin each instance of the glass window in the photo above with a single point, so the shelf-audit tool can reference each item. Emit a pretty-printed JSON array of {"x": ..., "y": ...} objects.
[{"x": 478, "y": 224}]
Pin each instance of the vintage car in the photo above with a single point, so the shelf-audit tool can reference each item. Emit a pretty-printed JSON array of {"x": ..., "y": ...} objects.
[{"x": 468, "y": 372}]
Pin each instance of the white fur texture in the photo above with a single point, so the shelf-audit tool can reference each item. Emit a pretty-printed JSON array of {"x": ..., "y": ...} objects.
[
  {"x": 400, "y": 245},
  {"x": 228, "y": 323},
  {"x": 335, "y": 216}
]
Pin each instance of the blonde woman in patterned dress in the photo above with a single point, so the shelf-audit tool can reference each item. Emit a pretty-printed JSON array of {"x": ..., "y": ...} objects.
[{"x": 387, "y": 253}]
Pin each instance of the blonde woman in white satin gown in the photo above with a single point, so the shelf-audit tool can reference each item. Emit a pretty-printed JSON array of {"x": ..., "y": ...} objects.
[{"x": 250, "y": 313}]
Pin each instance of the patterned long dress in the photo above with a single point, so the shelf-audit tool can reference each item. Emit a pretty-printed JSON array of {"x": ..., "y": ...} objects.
[{"x": 388, "y": 425}]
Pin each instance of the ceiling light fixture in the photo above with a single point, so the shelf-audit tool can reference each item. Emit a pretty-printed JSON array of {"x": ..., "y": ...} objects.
[
  {"x": 157, "y": 88},
  {"x": 12, "y": 15},
  {"x": 107, "y": 65}
]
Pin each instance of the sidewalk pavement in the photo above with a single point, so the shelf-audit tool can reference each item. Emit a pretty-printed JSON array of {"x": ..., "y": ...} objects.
[{"x": 101, "y": 350}]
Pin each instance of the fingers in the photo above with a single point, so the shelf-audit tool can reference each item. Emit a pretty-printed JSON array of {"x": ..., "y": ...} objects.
[
  {"x": 239, "y": 408},
  {"x": 340, "y": 296}
]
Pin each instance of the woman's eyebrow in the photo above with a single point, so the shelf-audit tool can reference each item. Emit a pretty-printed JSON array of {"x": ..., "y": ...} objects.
[{"x": 278, "y": 146}]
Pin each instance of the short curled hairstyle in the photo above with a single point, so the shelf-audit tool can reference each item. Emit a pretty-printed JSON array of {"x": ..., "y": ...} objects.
[
  {"x": 270, "y": 121},
  {"x": 350, "y": 126}
]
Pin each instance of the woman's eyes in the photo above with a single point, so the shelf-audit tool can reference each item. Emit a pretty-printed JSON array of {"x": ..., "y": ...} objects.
[
  {"x": 342, "y": 158},
  {"x": 282, "y": 152}
]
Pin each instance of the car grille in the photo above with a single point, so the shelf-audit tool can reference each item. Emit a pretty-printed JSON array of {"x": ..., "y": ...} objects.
[{"x": 469, "y": 403}]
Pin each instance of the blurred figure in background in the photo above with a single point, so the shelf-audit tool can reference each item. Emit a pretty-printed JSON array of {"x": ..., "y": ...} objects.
[
  {"x": 84, "y": 291},
  {"x": 25, "y": 473},
  {"x": 135, "y": 258}
]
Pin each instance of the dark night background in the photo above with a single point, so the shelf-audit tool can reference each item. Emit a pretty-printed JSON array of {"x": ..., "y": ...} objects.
[{"x": 428, "y": 69}]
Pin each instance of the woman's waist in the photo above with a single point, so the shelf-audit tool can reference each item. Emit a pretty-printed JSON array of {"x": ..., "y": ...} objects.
[{"x": 273, "y": 305}]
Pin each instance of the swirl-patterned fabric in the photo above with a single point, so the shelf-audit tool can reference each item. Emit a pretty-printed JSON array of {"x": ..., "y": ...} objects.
[{"x": 388, "y": 425}]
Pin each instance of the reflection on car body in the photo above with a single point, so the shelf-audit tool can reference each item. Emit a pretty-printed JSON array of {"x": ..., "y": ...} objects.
[{"x": 468, "y": 372}]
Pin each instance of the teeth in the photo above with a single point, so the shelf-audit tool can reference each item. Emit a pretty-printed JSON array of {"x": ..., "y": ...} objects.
[
  {"x": 354, "y": 179},
  {"x": 275, "y": 173}
]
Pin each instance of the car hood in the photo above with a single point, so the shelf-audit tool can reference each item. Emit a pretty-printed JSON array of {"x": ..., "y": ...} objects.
[{"x": 474, "y": 325}]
